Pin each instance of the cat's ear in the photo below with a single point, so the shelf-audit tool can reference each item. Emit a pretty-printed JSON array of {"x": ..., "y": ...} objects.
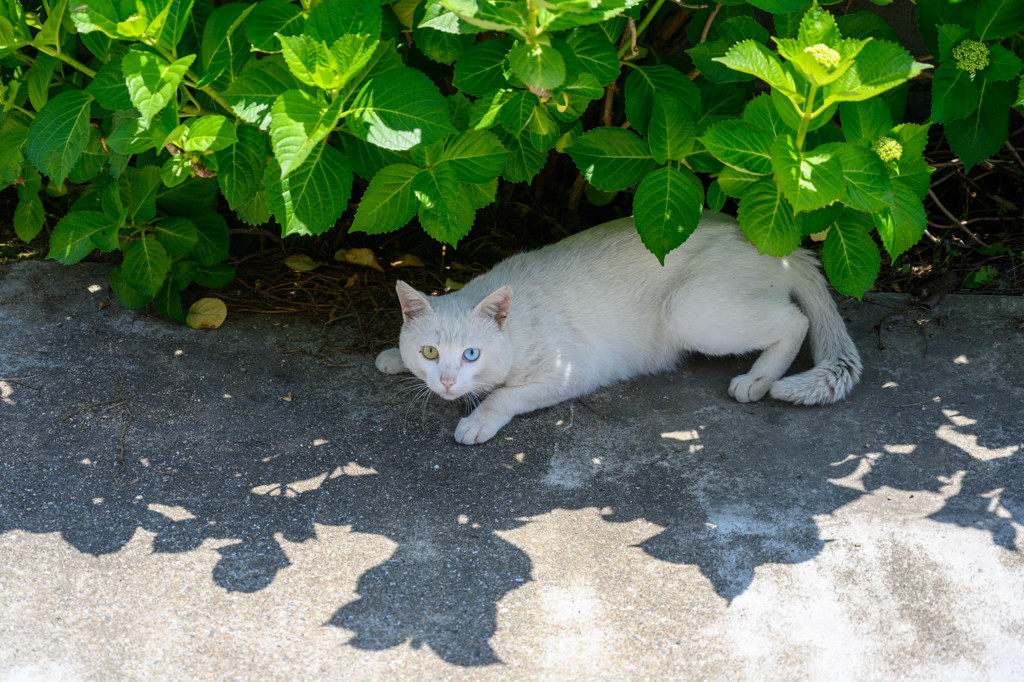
[
  {"x": 413, "y": 302},
  {"x": 495, "y": 306}
]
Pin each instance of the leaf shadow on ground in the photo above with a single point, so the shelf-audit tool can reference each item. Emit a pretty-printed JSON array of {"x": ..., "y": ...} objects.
[{"x": 211, "y": 457}]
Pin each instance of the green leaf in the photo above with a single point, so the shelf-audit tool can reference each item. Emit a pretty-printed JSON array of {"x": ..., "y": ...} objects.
[
  {"x": 152, "y": 81},
  {"x": 95, "y": 15},
  {"x": 39, "y": 77},
  {"x": 108, "y": 87},
  {"x": 760, "y": 112},
  {"x": 298, "y": 124},
  {"x": 611, "y": 158},
  {"x": 28, "y": 218},
  {"x": 176, "y": 234},
  {"x": 167, "y": 302},
  {"x": 175, "y": 170},
  {"x": 1003, "y": 65},
  {"x": 524, "y": 160},
  {"x": 540, "y": 66},
  {"x": 868, "y": 187},
  {"x": 740, "y": 145},
  {"x": 240, "y": 166},
  {"x": 998, "y": 18},
  {"x": 273, "y": 17},
  {"x": 985, "y": 129},
  {"x": 646, "y": 83},
  {"x": 953, "y": 94},
  {"x": 137, "y": 189},
  {"x": 866, "y": 121},
  {"x": 208, "y": 134},
  {"x": 132, "y": 136},
  {"x": 388, "y": 202},
  {"x": 518, "y": 110},
  {"x": 596, "y": 54},
  {"x": 398, "y": 110},
  {"x": 449, "y": 222},
  {"x": 878, "y": 67},
  {"x": 767, "y": 219},
  {"x": 808, "y": 179},
  {"x": 253, "y": 94},
  {"x": 145, "y": 266},
  {"x": 314, "y": 195},
  {"x": 672, "y": 129},
  {"x": 480, "y": 69},
  {"x": 126, "y": 295},
  {"x": 71, "y": 239},
  {"x": 169, "y": 25},
  {"x": 476, "y": 155},
  {"x": 329, "y": 20},
  {"x": 715, "y": 197},
  {"x": 441, "y": 46},
  {"x": 754, "y": 58},
  {"x": 213, "y": 240},
  {"x": 849, "y": 255},
  {"x": 901, "y": 225},
  {"x": 222, "y": 40},
  {"x": 59, "y": 134},
  {"x": 667, "y": 208}
]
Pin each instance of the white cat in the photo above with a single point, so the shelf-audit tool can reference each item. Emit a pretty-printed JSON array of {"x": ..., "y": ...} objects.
[{"x": 597, "y": 308}]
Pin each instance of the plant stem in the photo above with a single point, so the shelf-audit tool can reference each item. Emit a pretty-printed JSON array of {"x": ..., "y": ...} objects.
[
  {"x": 71, "y": 61},
  {"x": 805, "y": 120},
  {"x": 643, "y": 24}
]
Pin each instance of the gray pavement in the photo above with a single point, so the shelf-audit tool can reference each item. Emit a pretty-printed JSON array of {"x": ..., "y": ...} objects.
[{"x": 177, "y": 504}]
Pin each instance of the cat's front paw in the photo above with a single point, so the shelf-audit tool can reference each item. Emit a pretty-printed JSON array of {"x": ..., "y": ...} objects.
[
  {"x": 390, "y": 362},
  {"x": 479, "y": 427},
  {"x": 747, "y": 388}
]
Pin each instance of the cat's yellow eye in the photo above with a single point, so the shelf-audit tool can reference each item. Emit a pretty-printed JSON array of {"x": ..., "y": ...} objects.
[{"x": 429, "y": 352}]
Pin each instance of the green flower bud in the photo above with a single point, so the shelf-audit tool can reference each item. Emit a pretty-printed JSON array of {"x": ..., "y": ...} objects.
[
  {"x": 971, "y": 55},
  {"x": 823, "y": 54},
  {"x": 887, "y": 149}
]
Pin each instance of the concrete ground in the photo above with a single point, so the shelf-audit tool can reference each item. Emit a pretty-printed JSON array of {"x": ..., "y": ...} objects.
[{"x": 179, "y": 505}]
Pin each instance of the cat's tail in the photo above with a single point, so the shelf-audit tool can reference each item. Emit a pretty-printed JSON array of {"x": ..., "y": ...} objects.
[{"x": 837, "y": 364}]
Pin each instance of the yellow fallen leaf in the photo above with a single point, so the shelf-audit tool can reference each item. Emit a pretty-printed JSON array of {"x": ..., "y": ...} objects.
[
  {"x": 302, "y": 263},
  {"x": 819, "y": 236},
  {"x": 206, "y": 313},
  {"x": 363, "y": 257},
  {"x": 407, "y": 261}
]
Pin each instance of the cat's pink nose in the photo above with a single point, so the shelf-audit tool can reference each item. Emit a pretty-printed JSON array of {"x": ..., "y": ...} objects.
[{"x": 447, "y": 383}]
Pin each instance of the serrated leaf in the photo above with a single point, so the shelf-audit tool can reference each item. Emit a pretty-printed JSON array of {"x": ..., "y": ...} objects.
[
  {"x": 868, "y": 187},
  {"x": 388, "y": 202},
  {"x": 28, "y": 218},
  {"x": 59, "y": 134},
  {"x": 39, "y": 78},
  {"x": 524, "y": 161},
  {"x": 671, "y": 131},
  {"x": 517, "y": 111},
  {"x": 167, "y": 302},
  {"x": 808, "y": 179},
  {"x": 647, "y": 83},
  {"x": 903, "y": 224},
  {"x": 169, "y": 25},
  {"x": 864, "y": 122},
  {"x": 760, "y": 112},
  {"x": 138, "y": 187},
  {"x": 538, "y": 65},
  {"x": 329, "y": 20},
  {"x": 757, "y": 60},
  {"x": 596, "y": 54},
  {"x": 176, "y": 234},
  {"x": 767, "y": 219},
  {"x": 298, "y": 124},
  {"x": 1003, "y": 65},
  {"x": 879, "y": 66},
  {"x": 480, "y": 69},
  {"x": 984, "y": 130},
  {"x": 253, "y": 94},
  {"x": 208, "y": 134},
  {"x": 240, "y": 166},
  {"x": 152, "y": 81},
  {"x": 213, "y": 276},
  {"x": 126, "y": 295},
  {"x": 849, "y": 254},
  {"x": 667, "y": 208},
  {"x": 271, "y": 17},
  {"x": 611, "y": 158},
  {"x": 449, "y": 222},
  {"x": 398, "y": 110},
  {"x": 476, "y": 155},
  {"x": 222, "y": 39},
  {"x": 741, "y": 145},
  {"x": 998, "y": 18},
  {"x": 95, "y": 15},
  {"x": 312, "y": 198},
  {"x": 953, "y": 94},
  {"x": 145, "y": 266},
  {"x": 206, "y": 313},
  {"x": 108, "y": 87},
  {"x": 213, "y": 240}
]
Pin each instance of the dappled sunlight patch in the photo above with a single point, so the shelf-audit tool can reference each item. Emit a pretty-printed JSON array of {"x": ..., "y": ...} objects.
[
  {"x": 969, "y": 442},
  {"x": 295, "y": 488}
]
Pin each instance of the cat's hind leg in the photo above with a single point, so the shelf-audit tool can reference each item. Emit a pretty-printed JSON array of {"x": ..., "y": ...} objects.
[
  {"x": 783, "y": 339},
  {"x": 390, "y": 362}
]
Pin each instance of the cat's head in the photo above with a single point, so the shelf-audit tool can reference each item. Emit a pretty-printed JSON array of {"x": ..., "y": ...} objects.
[{"x": 455, "y": 349}]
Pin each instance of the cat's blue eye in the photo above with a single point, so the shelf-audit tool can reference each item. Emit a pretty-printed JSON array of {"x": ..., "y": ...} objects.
[{"x": 471, "y": 354}]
